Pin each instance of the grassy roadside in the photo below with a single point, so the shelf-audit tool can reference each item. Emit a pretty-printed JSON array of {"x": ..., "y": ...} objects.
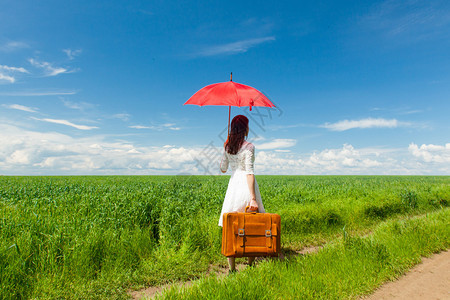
[{"x": 347, "y": 268}]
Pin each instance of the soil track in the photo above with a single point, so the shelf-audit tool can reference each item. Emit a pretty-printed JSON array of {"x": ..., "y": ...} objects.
[
  {"x": 220, "y": 271},
  {"x": 428, "y": 280}
]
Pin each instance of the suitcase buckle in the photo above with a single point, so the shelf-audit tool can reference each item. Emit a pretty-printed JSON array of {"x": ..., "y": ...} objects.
[
  {"x": 268, "y": 233},
  {"x": 241, "y": 232}
]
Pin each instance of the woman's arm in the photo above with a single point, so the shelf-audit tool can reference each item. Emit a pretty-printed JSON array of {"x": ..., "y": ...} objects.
[
  {"x": 249, "y": 161},
  {"x": 224, "y": 163},
  {"x": 251, "y": 187}
]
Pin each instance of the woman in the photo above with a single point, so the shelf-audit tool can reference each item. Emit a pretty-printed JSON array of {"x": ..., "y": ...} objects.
[{"x": 242, "y": 189}]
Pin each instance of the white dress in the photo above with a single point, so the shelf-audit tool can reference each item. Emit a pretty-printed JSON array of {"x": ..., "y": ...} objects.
[{"x": 238, "y": 193}]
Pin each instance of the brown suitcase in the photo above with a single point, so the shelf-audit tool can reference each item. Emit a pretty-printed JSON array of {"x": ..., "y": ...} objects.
[{"x": 251, "y": 234}]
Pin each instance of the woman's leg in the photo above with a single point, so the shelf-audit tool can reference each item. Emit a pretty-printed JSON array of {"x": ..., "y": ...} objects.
[
  {"x": 250, "y": 260},
  {"x": 231, "y": 263}
]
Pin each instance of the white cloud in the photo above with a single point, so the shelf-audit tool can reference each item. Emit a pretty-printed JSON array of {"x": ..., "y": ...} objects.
[
  {"x": 19, "y": 157},
  {"x": 7, "y": 73},
  {"x": 337, "y": 159},
  {"x": 37, "y": 93},
  {"x": 347, "y": 161},
  {"x": 13, "y": 69},
  {"x": 48, "y": 68},
  {"x": 139, "y": 127},
  {"x": 276, "y": 144},
  {"x": 124, "y": 117},
  {"x": 363, "y": 123},
  {"x": 12, "y": 46},
  {"x": 31, "y": 152},
  {"x": 170, "y": 126},
  {"x": 77, "y": 105},
  {"x": 67, "y": 123},
  {"x": 71, "y": 54},
  {"x": 7, "y": 78},
  {"x": 27, "y": 152},
  {"x": 235, "y": 47},
  {"x": 20, "y": 107},
  {"x": 161, "y": 127},
  {"x": 431, "y": 153},
  {"x": 281, "y": 127},
  {"x": 426, "y": 160},
  {"x": 412, "y": 111}
]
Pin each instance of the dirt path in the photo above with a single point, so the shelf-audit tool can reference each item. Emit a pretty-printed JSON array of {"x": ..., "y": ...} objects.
[
  {"x": 151, "y": 292},
  {"x": 429, "y": 280},
  {"x": 220, "y": 271}
]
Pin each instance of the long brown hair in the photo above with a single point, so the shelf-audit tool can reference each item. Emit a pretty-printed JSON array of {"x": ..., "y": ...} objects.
[{"x": 238, "y": 131}]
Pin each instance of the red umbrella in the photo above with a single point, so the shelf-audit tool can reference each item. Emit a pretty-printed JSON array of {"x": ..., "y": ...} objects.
[{"x": 229, "y": 94}]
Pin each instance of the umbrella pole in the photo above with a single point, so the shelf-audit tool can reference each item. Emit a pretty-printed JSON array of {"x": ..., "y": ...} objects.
[
  {"x": 229, "y": 109},
  {"x": 229, "y": 114}
]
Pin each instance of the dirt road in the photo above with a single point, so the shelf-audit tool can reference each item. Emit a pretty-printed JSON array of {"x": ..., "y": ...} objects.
[{"x": 429, "y": 280}]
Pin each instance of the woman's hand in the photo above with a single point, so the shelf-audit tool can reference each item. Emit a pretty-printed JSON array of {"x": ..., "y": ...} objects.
[
  {"x": 253, "y": 205},
  {"x": 251, "y": 186}
]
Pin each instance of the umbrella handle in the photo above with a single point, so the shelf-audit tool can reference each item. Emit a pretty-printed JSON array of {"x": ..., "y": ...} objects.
[{"x": 229, "y": 115}]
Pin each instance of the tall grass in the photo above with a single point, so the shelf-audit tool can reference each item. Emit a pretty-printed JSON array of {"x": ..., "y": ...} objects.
[
  {"x": 97, "y": 237},
  {"x": 348, "y": 268}
]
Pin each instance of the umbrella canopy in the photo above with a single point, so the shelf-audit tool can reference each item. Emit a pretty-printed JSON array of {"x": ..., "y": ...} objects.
[{"x": 229, "y": 94}]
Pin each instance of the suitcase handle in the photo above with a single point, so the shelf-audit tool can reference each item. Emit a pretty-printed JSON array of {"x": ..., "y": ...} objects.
[{"x": 251, "y": 212}]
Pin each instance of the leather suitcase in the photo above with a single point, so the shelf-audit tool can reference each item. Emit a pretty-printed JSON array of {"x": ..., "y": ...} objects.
[{"x": 251, "y": 234}]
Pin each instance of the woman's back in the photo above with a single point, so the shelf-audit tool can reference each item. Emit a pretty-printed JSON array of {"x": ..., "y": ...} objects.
[{"x": 243, "y": 160}]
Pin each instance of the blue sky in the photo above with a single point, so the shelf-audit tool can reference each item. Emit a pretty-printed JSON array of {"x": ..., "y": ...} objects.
[{"x": 97, "y": 87}]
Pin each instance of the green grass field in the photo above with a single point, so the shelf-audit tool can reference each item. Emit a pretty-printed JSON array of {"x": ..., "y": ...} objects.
[{"x": 98, "y": 237}]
